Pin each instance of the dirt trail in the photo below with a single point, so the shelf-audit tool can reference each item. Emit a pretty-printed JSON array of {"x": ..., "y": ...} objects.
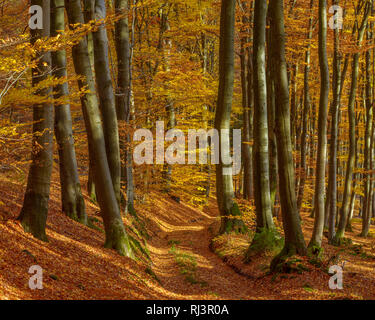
[
  {"x": 76, "y": 266},
  {"x": 190, "y": 231}
]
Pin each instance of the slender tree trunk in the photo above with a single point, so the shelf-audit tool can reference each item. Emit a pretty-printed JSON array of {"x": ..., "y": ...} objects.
[
  {"x": 123, "y": 100},
  {"x": 107, "y": 99},
  {"x": 73, "y": 204},
  {"x": 316, "y": 239},
  {"x": 294, "y": 103},
  {"x": 116, "y": 236},
  {"x": 353, "y": 195},
  {"x": 246, "y": 152},
  {"x": 33, "y": 216},
  {"x": 250, "y": 94},
  {"x": 344, "y": 212},
  {"x": 89, "y": 15},
  {"x": 294, "y": 240},
  {"x": 305, "y": 116},
  {"x": 271, "y": 101},
  {"x": 224, "y": 180},
  {"x": 261, "y": 152},
  {"x": 332, "y": 179},
  {"x": 165, "y": 46},
  {"x": 367, "y": 212}
]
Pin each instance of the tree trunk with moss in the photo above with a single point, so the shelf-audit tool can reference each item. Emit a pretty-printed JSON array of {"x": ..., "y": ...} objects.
[
  {"x": 73, "y": 204},
  {"x": 224, "y": 180},
  {"x": 294, "y": 240},
  {"x": 116, "y": 236},
  {"x": 33, "y": 216}
]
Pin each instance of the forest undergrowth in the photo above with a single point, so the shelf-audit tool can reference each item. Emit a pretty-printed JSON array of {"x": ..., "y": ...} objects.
[{"x": 187, "y": 259}]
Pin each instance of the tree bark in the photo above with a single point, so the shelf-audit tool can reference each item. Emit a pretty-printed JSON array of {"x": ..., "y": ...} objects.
[
  {"x": 367, "y": 212},
  {"x": 224, "y": 180},
  {"x": 89, "y": 15},
  {"x": 344, "y": 212},
  {"x": 116, "y": 237},
  {"x": 332, "y": 176},
  {"x": 33, "y": 216},
  {"x": 316, "y": 239},
  {"x": 123, "y": 96},
  {"x": 305, "y": 115},
  {"x": 294, "y": 240},
  {"x": 107, "y": 99},
  {"x": 246, "y": 152},
  {"x": 271, "y": 106},
  {"x": 73, "y": 204},
  {"x": 260, "y": 149}
]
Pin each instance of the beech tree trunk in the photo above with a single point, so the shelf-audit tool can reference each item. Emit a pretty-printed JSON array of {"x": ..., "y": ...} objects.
[
  {"x": 367, "y": 212},
  {"x": 260, "y": 149},
  {"x": 248, "y": 114},
  {"x": 89, "y": 15},
  {"x": 116, "y": 236},
  {"x": 294, "y": 240},
  {"x": 332, "y": 175},
  {"x": 246, "y": 152},
  {"x": 123, "y": 96},
  {"x": 305, "y": 115},
  {"x": 107, "y": 99},
  {"x": 73, "y": 204},
  {"x": 344, "y": 212},
  {"x": 316, "y": 239},
  {"x": 224, "y": 180},
  {"x": 33, "y": 216},
  {"x": 271, "y": 106}
]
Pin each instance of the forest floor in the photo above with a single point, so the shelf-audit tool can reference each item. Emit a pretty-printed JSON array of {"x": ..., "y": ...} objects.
[{"x": 184, "y": 265}]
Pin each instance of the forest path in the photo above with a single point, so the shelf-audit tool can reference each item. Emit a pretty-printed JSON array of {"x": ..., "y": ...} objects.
[
  {"x": 181, "y": 237},
  {"x": 77, "y": 266},
  {"x": 180, "y": 232}
]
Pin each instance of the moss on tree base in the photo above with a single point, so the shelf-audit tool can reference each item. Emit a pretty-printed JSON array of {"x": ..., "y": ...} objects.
[
  {"x": 266, "y": 240},
  {"x": 339, "y": 240},
  {"x": 283, "y": 262},
  {"x": 118, "y": 240},
  {"x": 231, "y": 224}
]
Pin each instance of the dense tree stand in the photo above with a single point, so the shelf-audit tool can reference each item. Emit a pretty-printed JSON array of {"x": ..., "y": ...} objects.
[{"x": 116, "y": 236}]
